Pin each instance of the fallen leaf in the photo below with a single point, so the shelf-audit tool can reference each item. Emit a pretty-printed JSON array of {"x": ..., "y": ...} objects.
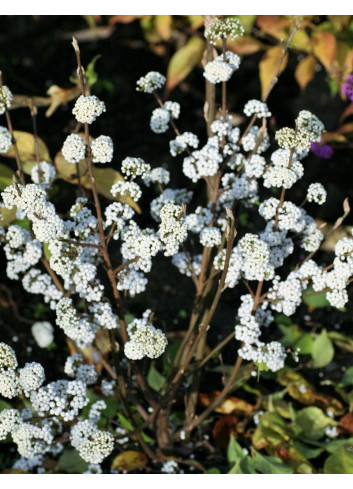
[
  {"x": 224, "y": 428},
  {"x": 129, "y": 461},
  {"x": 229, "y": 406}
]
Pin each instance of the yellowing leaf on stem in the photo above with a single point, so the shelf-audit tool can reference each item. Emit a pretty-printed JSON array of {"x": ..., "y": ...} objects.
[
  {"x": 245, "y": 45},
  {"x": 26, "y": 147},
  {"x": 305, "y": 71},
  {"x": 163, "y": 25},
  {"x": 301, "y": 41},
  {"x": 269, "y": 65},
  {"x": 275, "y": 25},
  {"x": 129, "y": 461},
  {"x": 183, "y": 61},
  {"x": 325, "y": 48}
]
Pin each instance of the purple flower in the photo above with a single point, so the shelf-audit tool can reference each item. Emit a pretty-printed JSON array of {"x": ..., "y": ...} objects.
[
  {"x": 347, "y": 87},
  {"x": 324, "y": 151}
]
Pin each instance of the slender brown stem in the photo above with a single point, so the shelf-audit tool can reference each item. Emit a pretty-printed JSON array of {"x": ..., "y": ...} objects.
[
  {"x": 79, "y": 243},
  {"x": 14, "y": 143},
  {"x": 216, "y": 349}
]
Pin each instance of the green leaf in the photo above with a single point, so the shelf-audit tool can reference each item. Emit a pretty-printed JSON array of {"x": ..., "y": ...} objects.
[
  {"x": 347, "y": 378},
  {"x": 234, "y": 450},
  {"x": 91, "y": 74},
  {"x": 334, "y": 445},
  {"x": 71, "y": 463},
  {"x": 312, "y": 422},
  {"x": 169, "y": 355},
  {"x": 295, "y": 337},
  {"x": 340, "y": 462},
  {"x": 6, "y": 175},
  {"x": 125, "y": 423},
  {"x": 183, "y": 61},
  {"x": 213, "y": 470},
  {"x": 154, "y": 379},
  {"x": 323, "y": 351},
  {"x": 271, "y": 465},
  {"x": 314, "y": 300},
  {"x": 4, "y": 405},
  {"x": 305, "y": 450}
]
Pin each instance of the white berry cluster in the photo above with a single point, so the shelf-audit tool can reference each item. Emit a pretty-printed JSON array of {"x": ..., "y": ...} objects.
[
  {"x": 43, "y": 173},
  {"x": 88, "y": 108},
  {"x": 145, "y": 339},
  {"x": 135, "y": 167},
  {"x": 182, "y": 142},
  {"x": 210, "y": 236},
  {"x": 102, "y": 149},
  {"x": 222, "y": 68},
  {"x": 157, "y": 175},
  {"x": 126, "y": 189},
  {"x": 258, "y": 108},
  {"x": 5, "y": 99},
  {"x": 5, "y": 140},
  {"x": 150, "y": 82},
  {"x": 172, "y": 230},
  {"x": 74, "y": 149},
  {"x": 316, "y": 193},
  {"x": 223, "y": 28},
  {"x": 92, "y": 444}
]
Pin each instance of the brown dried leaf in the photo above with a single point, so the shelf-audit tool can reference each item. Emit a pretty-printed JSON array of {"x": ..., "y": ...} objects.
[
  {"x": 61, "y": 96},
  {"x": 229, "y": 406},
  {"x": 129, "y": 461},
  {"x": 224, "y": 428},
  {"x": 346, "y": 422}
]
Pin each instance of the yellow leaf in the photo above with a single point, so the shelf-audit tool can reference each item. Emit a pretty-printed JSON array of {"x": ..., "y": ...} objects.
[
  {"x": 129, "y": 461},
  {"x": 269, "y": 65},
  {"x": 275, "y": 25},
  {"x": 325, "y": 48},
  {"x": 301, "y": 40},
  {"x": 196, "y": 21},
  {"x": 163, "y": 25},
  {"x": 305, "y": 71},
  {"x": 26, "y": 148},
  {"x": 183, "y": 61},
  {"x": 246, "y": 45}
]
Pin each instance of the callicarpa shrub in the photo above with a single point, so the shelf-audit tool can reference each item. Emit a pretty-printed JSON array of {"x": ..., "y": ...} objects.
[{"x": 110, "y": 408}]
